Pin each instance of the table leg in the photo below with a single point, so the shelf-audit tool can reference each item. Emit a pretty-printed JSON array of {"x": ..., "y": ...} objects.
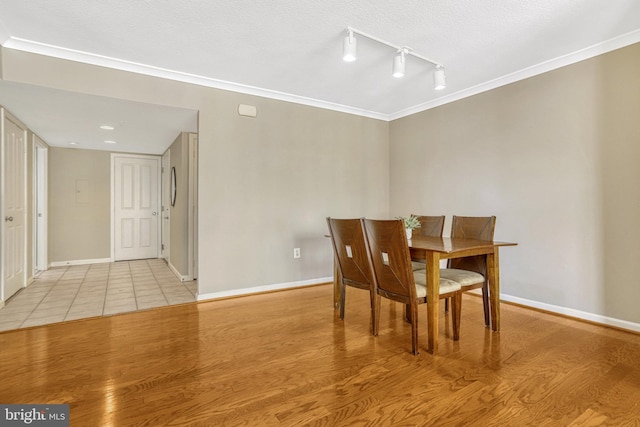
[
  {"x": 433, "y": 299},
  {"x": 493, "y": 272}
]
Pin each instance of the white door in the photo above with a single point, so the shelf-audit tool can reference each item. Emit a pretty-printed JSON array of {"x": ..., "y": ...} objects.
[
  {"x": 136, "y": 201},
  {"x": 13, "y": 203}
]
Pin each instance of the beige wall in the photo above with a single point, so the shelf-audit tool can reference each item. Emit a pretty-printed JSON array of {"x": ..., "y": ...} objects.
[
  {"x": 555, "y": 157},
  {"x": 179, "y": 213},
  {"x": 265, "y": 184},
  {"x": 79, "y": 224}
]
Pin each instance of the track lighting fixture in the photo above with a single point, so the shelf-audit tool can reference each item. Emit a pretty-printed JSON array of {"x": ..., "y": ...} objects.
[
  {"x": 398, "y": 64},
  {"x": 399, "y": 61},
  {"x": 349, "y": 48},
  {"x": 439, "y": 79}
]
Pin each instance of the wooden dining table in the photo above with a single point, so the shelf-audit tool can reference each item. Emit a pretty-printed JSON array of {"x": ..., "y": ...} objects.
[{"x": 432, "y": 250}]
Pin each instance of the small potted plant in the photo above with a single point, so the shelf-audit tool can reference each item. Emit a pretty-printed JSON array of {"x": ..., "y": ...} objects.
[{"x": 410, "y": 224}]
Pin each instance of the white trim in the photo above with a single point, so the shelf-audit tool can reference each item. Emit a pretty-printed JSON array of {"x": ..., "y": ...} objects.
[
  {"x": 592, "y": 317},
  {"x": 553, "y": 64},
  {"x": 177, "y": 273},
  {"x": 261, "y": 289},
  {"x": 192, "y": 221},
  {"x": 39, "y": 145},
  {"x": 134, "y": 67},
  {"x": 2, "y": 112},
  {"x": 18, "y": 43},
  {"x": 112, "y": 209},
  {"x": 165, "y": 203},
  {"x": 25, "y": 201},
  {"x": 80, "y": 262}
]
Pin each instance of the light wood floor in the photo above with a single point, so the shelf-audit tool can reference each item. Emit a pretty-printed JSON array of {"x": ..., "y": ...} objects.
[{"x": 286, "y": 359}]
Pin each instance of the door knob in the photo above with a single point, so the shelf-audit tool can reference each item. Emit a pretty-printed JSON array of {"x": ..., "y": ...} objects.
[
  {"x": 154, "y": 213},
  {"x": 8, "y": 218}
]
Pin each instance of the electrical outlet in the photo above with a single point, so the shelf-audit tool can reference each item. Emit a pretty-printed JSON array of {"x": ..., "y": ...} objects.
[{"x": 296, "y": 252}]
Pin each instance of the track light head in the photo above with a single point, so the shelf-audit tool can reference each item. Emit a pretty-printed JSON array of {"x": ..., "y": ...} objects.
[
  {"x": 398, "y": 64},
  {"x": 349, "y": 55},
  {"x": 349, "y": 48},
  {"x": 439, "y": 78}
]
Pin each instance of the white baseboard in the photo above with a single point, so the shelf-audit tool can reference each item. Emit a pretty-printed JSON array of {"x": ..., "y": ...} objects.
[
  {"x": 265, "y": 288},
  {"x": 80, "y": 262},
  {"x": 570, "y": 312},
  {"x": 177, "y": 273}
]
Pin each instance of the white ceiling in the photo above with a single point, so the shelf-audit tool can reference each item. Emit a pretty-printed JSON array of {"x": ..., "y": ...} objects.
[
  {"x": 291, "y": 49},
  {"x": 66, "y": 119}
]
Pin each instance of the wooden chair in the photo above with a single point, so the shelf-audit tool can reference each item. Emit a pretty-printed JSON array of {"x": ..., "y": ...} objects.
[
  {"x": 395, "y": 279},
  {"x": 471, "y": 272},
  {"x": 352, "y": 258},
  {"x": 429, "y": 226}
]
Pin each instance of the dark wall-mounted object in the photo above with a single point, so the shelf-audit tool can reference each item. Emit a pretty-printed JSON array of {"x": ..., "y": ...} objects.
[{"x": 173, "y": 186}]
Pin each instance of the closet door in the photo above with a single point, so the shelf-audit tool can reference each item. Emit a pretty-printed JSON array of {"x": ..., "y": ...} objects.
[{"x": 13, "y": 241}]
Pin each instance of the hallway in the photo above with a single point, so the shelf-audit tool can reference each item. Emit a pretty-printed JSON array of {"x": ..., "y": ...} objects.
[{"x": 82, "y": 291}]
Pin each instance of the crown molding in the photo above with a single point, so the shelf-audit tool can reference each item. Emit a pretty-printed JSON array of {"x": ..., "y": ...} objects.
[
  {"x": 553, "y": 64},
  {"x": 17, "y": 43},
  {"x": 134, "y": 67}
]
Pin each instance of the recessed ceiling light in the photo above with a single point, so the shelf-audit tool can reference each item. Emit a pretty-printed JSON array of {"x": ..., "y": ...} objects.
[
  {"x": 73, "y": 143},
  {"x": 109, "y": 142},
  {"x": 107, "y": 127}
]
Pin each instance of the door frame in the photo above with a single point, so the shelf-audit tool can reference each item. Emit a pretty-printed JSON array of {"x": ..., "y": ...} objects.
[
  {"x": 165, "y": 223},
  {"x": 113, "y": 198},
  {"x": 40, "y": 211},
  {"x": 192, "y": 225},
  {"x": 5, "y": 115}
]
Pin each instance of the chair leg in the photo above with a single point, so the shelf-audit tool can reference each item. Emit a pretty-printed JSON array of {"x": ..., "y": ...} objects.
[
  {"x": 342, "y": 299},
  {"x": 407, "y": 313},
  {"x": 456, "y": 311},
  {"x": 374, "y": 312},
  {"x": 446, "y": 305},
  {"x": 485, "y": 304},
  {"x": 414, "y": 329},
  {"x": 376, "y": 321}
]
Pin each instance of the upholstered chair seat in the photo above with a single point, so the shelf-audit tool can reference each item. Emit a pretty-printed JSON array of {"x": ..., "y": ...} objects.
[
  {"x": 462, "y": 277},
  {"x": 446, "y": 286}
]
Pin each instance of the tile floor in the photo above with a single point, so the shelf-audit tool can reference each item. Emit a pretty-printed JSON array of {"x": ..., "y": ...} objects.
[{"x": 81, "y": 291}]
